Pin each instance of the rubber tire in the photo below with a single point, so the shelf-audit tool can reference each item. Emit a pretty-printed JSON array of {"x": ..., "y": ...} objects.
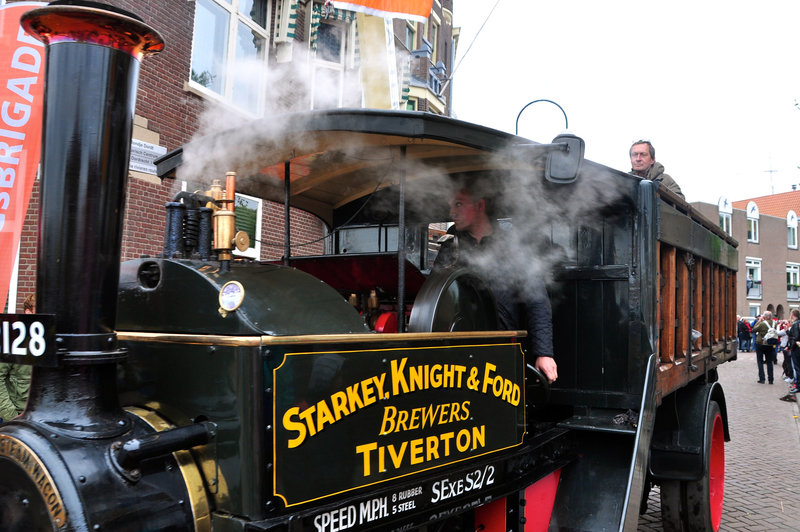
[{"x": 696, "y": 505}]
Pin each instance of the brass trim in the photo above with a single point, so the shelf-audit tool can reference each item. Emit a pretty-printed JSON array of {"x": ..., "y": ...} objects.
[
  {"x": 195, "y": 487},
  {"x": 255, "y": 341},
  {"x": 26, "y": 458}
]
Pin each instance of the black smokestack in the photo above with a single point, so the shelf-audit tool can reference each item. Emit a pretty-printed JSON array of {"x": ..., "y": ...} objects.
[{"x": 93, "y": 56}]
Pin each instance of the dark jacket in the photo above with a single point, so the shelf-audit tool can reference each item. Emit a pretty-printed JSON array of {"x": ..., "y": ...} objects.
[
  {"x": 522, "y": 303},
  {"x": 656, "y": 173},
  {"x": 793, "y": 334},
  {"x": 743, "y": 328}
]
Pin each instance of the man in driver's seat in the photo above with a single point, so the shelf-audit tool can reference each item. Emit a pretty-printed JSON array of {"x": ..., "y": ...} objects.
[{"x": 475, "y": 240}]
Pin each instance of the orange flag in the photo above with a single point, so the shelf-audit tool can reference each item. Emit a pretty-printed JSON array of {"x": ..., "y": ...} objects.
[
  {"x": 21, "y": 95},
  {"x": 408, "y": 9}
]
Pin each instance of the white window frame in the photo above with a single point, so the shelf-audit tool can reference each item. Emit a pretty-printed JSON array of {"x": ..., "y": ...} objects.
[
  {"x": 230, "y": 71},
  {"x": 791, "y": 230},
  {"x": 339, "y": 67},
  {"x": 344, "y": 68},
  {"x": 755, "y": 309},
  {"x": 725, "y": 222},
  {"x": 792, "y": 275},
  {"x": 255, "y": 251},
  {"x": 411, "y": 29},
  {"x": 752, "y": 222},
  {"x": 755, "y": 263}
]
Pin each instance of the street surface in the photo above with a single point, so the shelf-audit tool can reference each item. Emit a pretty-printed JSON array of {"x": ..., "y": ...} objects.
[{"x": 762, "y": 460}]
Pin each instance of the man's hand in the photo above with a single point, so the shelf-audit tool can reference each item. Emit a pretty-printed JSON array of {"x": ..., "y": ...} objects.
[{"x": 547, "y": 366}]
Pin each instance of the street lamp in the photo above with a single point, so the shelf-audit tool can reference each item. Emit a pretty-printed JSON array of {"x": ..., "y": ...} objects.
[{"x": 566, "y": 122}]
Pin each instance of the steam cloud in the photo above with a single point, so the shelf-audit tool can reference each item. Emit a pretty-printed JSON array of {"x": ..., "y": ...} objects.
[{"x": 542, "y": 215}]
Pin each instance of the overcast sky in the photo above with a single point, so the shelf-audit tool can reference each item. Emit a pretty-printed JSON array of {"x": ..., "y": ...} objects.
[{"x": 712, "y": 84}]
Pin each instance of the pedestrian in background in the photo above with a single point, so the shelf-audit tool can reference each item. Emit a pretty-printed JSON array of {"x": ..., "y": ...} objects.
[
  {"x": 794, "y": 347},
  {"x": 765, "y": 352},
  {"x": 743, "y": 331},
  {"x": 15, "y": 379}
]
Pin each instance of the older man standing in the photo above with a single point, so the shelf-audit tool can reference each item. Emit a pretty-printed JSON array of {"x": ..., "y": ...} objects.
[
  {"x": 764, "y": 351},
  {"x": 643, "y": 164}
]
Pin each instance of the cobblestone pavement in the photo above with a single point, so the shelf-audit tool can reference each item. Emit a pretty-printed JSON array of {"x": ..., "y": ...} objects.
[{"x": 762, "y": 486}]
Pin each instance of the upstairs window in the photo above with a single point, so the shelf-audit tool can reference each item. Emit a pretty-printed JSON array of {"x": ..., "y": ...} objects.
[
  {"x": 753, "y": 279},
  {"x": 752, "y": 222},
  {"x": 333, "y": 45},
  {"x": 725, "y": 223},
  {"x": 725, "y": 210},
  {"x": 792, "y": 280},
  {"x": 791, "y": 230},
  {"x": 229, "y": 51},
  {"x": 411, "y": 35}
]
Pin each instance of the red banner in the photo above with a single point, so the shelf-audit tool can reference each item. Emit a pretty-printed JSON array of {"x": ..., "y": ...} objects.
[
  {"x": 21, "y": 98},
  {"x": 409, "y": 9}
]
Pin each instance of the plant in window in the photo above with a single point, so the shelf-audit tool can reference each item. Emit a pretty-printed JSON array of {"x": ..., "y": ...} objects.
[{"x": 205, "y": 78}]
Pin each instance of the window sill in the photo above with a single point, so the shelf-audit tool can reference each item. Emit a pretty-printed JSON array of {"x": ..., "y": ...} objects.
[{"x": 206, "y": 94}]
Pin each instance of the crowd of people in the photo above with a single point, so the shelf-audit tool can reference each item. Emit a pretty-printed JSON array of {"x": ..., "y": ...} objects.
[{"x": 768, "y": 338}]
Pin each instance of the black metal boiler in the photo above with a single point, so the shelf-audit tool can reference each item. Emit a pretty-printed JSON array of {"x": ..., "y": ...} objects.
[{"x": 75, "y": 460}]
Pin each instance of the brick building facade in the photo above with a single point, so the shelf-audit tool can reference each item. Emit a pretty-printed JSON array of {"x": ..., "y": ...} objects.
[
  {"x": 173, "y": 96},
  {"x": 769, "y": 258}
]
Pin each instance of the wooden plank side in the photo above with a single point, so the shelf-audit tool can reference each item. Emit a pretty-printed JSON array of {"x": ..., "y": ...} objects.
[
  {"x": 698, "y": 303},
  {"x": 682, "y": 306},
  {"x": 667, "y": 300},
  {"x": 716, "y": 324}
]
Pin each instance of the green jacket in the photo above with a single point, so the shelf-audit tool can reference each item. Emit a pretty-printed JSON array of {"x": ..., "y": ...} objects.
[
  {"x": 656, "y": 173},
  {"x": 761, "y": 329},
  {"x": 15, "y": 379}
]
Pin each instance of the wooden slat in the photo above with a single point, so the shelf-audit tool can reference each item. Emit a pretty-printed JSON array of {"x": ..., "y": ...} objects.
[
  {"x": 698, "y": 303},
  {"x": 682, "y": 307},
  {"x": 716, "y": 324},
  {"x": 668, "y": 285}
]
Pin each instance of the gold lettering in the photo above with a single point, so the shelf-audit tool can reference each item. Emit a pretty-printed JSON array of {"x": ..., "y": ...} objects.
[
  {"x": 379, "y": 382},
  {"x": 388, "y": 417},
  {"x": 339, "y": 401},
  {"x": 487, "y": 379},
  {"x": 290, "y": 424},
  {"x": 397, "y": 457},
  {"x": 366, "y": 391},
  {"x": 354, "y": 398},
  {"x": 432, "y": 448},
  {"x": 398, "y": 377},
  {"x": 365, "y": 450},
  {"x": 479, "y": 436},
  {"x": 402, "y": 418},
  {"x": 324, "y": 416},
  {"x": 416, "y": 451}
]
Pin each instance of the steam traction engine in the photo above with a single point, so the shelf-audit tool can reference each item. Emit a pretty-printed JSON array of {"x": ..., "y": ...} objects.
[{"x": 194, "y": 391}]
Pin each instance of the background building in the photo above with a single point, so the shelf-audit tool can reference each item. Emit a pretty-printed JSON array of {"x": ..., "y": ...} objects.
[
  {"x": 769, "y": 259},
  {"x": 227, "y": 62}
]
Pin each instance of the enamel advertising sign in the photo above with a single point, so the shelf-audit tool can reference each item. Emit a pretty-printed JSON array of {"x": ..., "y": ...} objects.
[{"x": 366, "y": 417}]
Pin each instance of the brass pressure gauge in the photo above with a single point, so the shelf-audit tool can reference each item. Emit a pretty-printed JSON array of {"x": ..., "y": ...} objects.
[{"x": 231, "y": 296}]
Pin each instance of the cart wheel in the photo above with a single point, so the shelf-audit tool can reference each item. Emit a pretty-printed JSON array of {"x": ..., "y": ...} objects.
[{"x": 696, "y": 505}]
